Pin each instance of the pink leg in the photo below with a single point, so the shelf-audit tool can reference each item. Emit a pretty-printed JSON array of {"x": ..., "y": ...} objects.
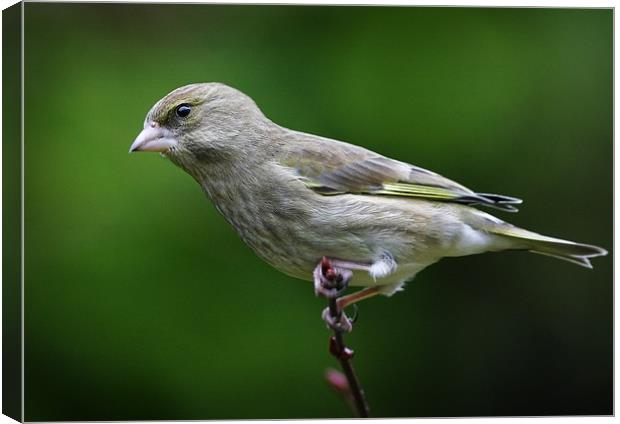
[
  {"x": 352, "y": 298},
  {"x": 350, "y": 265}
]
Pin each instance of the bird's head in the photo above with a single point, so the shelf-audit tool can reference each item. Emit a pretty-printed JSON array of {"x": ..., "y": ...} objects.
[{"x": 201, "y": 123}]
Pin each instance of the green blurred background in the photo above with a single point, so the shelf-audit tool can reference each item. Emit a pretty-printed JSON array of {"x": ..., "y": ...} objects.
[{"x": 142, "y": 303}]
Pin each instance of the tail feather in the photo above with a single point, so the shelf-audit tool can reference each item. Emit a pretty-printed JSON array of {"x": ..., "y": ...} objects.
[{"x": 576, "y": 253}]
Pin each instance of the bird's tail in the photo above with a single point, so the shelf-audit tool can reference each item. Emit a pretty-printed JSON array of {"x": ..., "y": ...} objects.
[{"x": 576, "y": 253}]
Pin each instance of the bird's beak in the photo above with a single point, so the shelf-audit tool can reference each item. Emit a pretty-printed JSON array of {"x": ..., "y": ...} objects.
[{"x": 153, "y": 138}]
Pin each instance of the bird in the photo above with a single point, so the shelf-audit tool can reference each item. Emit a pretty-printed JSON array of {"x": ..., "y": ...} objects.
[{"x": 309, "y": 205}]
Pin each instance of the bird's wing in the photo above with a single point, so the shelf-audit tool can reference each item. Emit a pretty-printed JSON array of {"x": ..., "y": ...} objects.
[{"x": 330, "y": 167}]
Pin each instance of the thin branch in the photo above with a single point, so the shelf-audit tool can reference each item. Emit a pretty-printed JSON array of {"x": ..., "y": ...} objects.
[
  {"x": 330, "y": 282},
  {"x": 338, "y": 348}
]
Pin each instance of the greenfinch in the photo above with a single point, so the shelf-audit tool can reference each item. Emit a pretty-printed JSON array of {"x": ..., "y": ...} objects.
[{"x": 296, "y": 198}]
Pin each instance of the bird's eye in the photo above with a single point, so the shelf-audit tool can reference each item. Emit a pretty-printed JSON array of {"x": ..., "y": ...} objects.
[{"x": 183, "y": 110}]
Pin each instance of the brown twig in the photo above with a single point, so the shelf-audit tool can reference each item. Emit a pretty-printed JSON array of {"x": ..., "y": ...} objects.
[
  {"x": 334, "y": 282},
  {"x": 339, "y": 350}
]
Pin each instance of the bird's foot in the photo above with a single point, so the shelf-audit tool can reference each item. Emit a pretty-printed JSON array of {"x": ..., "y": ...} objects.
[
  {"x": 340, "y": 323},
  {"x": 330, "y": 281}
]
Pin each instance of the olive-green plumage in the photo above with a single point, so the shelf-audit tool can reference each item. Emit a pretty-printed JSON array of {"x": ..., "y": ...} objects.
[{"x": 296, "y": 197}]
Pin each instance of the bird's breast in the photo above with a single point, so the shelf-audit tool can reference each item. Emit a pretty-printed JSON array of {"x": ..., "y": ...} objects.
[{"x": 273, "y": 224}]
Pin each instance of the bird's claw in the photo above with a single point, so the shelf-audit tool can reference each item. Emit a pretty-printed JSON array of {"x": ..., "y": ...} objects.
[
  {"x": 340, "y": 324},
  {"x": 355, "y": 316},
  {"x": 330, "y": 281}
]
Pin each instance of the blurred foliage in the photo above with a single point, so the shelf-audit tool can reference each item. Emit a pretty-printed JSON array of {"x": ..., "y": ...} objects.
[{"x": 142, "y": 303}]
